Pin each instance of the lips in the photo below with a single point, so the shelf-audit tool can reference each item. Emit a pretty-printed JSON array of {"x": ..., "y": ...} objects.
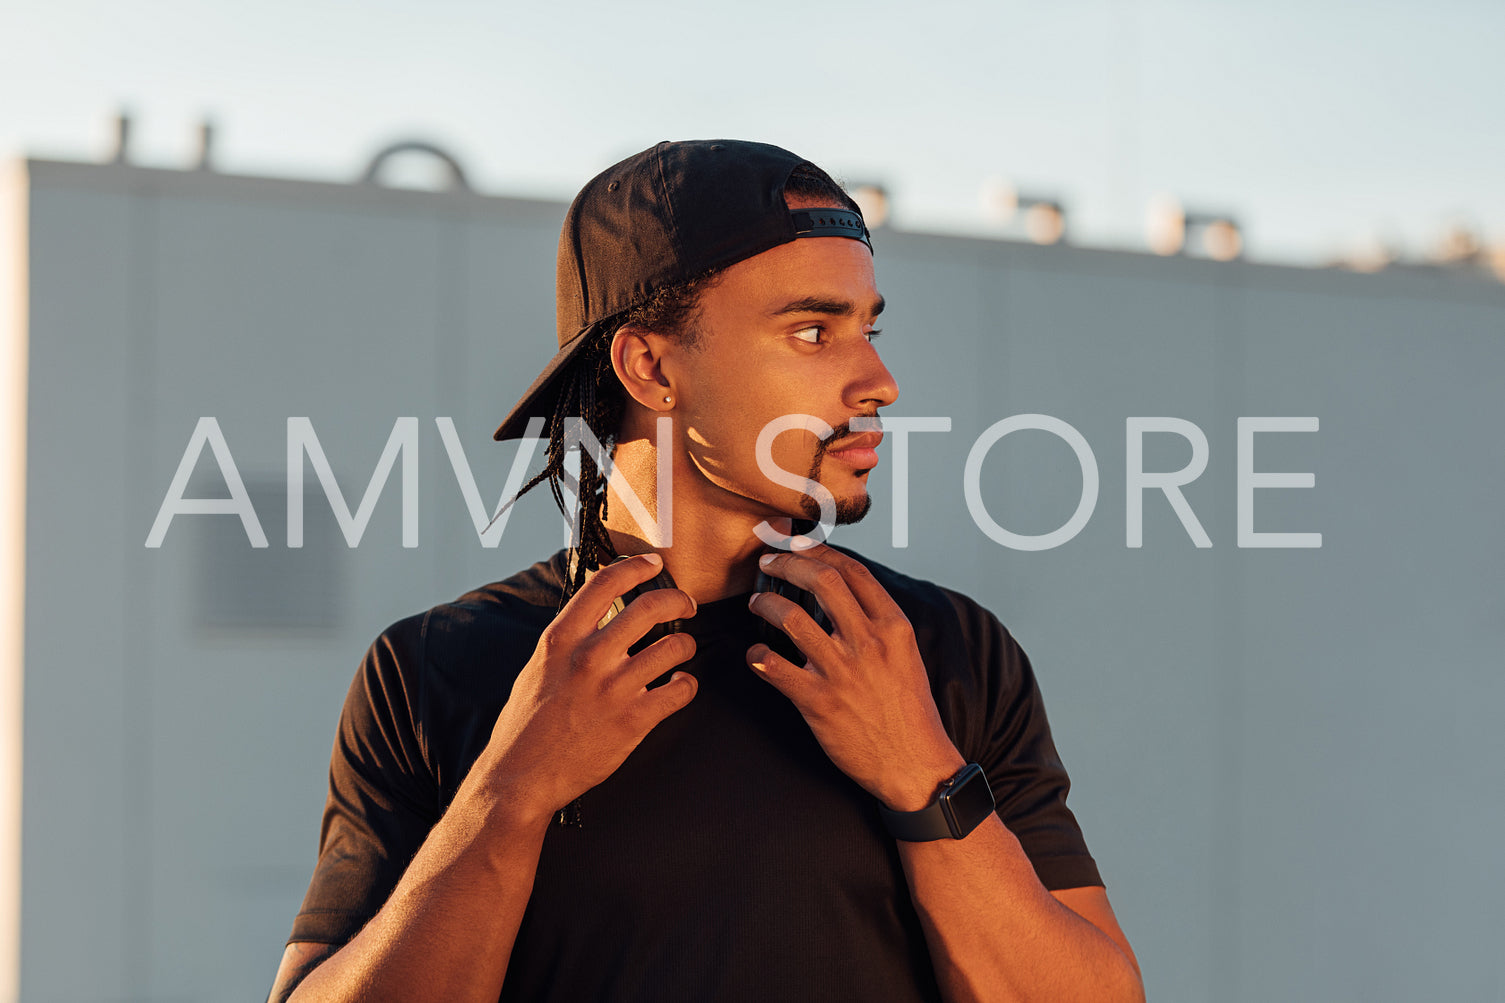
[{"x": 860, "y": 451}]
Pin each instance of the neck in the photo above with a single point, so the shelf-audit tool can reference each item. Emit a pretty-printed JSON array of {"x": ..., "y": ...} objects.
[{"x": 714, "y": 552}]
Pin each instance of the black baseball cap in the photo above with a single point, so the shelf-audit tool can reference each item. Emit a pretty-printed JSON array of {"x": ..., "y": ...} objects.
[{"x": 662, "y": 217}]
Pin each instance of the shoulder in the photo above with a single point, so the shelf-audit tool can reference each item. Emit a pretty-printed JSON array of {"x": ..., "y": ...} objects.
[
  {"x": 442, "y": 675},
  {"x": 926, "y": 603},
  {"x": 485, "y": 619},
  {"x": 964, "y": 646},
  {"x": 978, "y": 675},
  {"x": 494, "y": 617},
  {"x": 474, "y": 646}
]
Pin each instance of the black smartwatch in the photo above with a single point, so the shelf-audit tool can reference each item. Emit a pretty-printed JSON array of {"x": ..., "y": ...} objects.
[{"x": 963, "y": 802}]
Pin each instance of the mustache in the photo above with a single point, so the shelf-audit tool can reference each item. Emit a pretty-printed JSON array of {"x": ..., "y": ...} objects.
[{"x": 841, "y": 431}]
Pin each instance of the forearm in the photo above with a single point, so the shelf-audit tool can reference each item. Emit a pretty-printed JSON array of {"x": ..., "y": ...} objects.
[
  {"x": 993, "y": 930},
  {"x": 995, "y": 933},
  {"x": 447, "y": 930}
]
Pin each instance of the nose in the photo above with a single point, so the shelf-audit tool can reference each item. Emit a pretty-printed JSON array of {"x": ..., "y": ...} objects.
[{"x": 876, "y": 387}]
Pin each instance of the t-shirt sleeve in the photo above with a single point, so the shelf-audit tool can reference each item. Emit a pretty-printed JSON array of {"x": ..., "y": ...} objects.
[
  {"x": 383, "y": 798},
  {"x": 1019, "y": 757}
]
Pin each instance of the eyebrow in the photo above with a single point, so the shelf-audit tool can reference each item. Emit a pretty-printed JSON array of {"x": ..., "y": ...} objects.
[{"x": 816, "y": 304}]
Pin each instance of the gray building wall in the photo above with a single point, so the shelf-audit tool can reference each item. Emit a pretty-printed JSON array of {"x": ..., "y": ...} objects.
[{"x": 1284, "y": 759}]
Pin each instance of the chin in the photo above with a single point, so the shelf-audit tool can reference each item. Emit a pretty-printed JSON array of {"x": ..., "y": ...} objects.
[{"x": 848, "y": 510}]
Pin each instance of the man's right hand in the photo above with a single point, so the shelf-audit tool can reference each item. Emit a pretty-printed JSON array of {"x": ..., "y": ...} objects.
[
  {"x": 577, "y": 710},
  {"x": 582, "y": 704}
]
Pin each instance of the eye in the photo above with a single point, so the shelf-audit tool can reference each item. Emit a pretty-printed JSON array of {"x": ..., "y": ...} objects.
[
  {"x": 872, "y": 335},
  {"x": 811, "y": 335}
]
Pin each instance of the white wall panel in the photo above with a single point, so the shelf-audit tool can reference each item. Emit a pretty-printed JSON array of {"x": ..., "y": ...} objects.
[
  {"x": 83, "y": 840},
  {"x": 1284, "y": 760}
]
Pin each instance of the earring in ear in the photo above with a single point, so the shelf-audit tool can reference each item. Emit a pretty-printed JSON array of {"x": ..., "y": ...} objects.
[{"x": 668, "y": 400}]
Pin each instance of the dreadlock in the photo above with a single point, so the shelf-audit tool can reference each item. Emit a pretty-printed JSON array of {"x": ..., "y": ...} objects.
[{"x": 589, "y": 390}]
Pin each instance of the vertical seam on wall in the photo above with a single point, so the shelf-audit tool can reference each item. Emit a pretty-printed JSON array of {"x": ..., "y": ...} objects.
[
  {"x": 450, "y": 365},
  {"x": 138, "y": 680},
  {"x": 1225, "y": 885}
]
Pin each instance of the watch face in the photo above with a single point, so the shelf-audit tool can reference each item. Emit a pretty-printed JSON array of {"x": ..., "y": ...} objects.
[{"x": 968, "y": 802}]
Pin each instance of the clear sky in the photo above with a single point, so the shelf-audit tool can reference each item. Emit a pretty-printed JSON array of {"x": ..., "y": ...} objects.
[{"x": 1317, "y": 123}]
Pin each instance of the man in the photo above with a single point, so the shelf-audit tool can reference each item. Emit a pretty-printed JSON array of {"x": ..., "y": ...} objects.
[{"x": 766, "y": 778}]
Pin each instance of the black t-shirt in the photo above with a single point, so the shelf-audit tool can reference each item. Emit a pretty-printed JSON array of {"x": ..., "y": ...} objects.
[{"x": 728, "y": 858}]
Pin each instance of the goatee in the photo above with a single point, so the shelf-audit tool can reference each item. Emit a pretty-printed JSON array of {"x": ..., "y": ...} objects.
[{"x": 848, "y": 510}]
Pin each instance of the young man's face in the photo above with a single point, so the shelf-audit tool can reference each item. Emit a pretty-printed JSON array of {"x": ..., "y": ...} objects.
[{"x": 786, "y": 332}]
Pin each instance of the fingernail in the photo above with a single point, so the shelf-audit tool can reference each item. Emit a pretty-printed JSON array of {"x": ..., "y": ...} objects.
[
  {"x": 654, "y": 560},
  {"x": 694, "y": 606},
  {"x": 765, "y": 560},
  {"x": 752, "y": 599}
]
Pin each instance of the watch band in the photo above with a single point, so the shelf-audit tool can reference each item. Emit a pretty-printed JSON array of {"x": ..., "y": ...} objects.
[{"x": 959, "y": 807}]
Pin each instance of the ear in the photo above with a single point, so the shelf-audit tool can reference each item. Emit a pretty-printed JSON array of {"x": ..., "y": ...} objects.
[{"x": 638, "y": 357}]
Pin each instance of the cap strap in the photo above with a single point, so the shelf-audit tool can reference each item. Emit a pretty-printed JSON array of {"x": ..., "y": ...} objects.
[{"x": 830, "y": 223}]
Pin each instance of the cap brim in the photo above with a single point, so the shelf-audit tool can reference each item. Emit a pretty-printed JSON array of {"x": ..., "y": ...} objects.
[{"x": 539, "y": 399}]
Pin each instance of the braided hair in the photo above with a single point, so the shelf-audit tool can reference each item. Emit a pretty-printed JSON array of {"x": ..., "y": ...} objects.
[{"x": 589, "y": 390}]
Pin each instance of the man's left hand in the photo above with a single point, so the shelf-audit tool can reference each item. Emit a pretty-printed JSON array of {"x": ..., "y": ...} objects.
[{"x": 863, "y": 689}]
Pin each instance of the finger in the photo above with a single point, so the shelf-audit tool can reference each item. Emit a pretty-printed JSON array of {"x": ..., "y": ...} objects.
[
  {"x": 788, "y": 617},
  {"x": 823, "y": 581},
  {"x": 585, "y": 609},
  {"x": 661, "y": 701},
  {"x": 872, "y": 597},
  {"x": 657, "y": 606},
  {"x": 655, "y": 660},
  {"x": 780, "y": 673}
]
